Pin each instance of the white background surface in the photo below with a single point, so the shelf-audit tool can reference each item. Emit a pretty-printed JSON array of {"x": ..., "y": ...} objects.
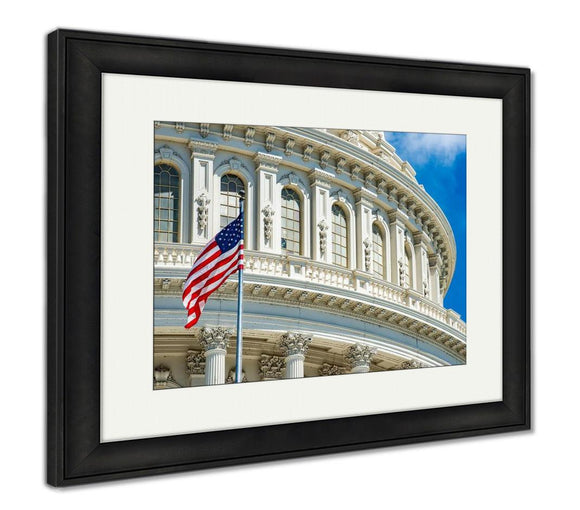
[
  {"x": 523, "y": 470},
  {"x": 131, "y": 105}
]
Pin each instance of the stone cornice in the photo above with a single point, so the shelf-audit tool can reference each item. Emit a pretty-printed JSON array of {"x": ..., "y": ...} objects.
[{"x": 396, "y": 316}]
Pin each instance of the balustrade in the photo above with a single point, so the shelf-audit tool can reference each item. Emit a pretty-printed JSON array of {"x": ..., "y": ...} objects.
[{"x": 179, "y": 256}]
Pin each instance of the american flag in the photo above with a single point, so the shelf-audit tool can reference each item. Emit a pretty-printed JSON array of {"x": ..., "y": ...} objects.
[{"x": 220, "y": 258}]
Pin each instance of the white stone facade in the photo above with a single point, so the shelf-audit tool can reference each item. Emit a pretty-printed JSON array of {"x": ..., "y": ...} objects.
[{"x": 363, "y": 286}]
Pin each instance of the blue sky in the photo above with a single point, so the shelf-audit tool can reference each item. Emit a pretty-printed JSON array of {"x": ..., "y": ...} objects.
[{"x": 440, "y": 163}]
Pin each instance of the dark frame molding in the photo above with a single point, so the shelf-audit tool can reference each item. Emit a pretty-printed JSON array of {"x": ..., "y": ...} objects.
[{"x": 75, "y": 62}]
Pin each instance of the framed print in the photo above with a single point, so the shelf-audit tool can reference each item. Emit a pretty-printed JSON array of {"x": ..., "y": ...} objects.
[{"x": 259, "y": 253}]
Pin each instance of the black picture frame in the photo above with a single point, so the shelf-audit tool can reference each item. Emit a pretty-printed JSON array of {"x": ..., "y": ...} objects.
[{"x": 75, "y": 62}]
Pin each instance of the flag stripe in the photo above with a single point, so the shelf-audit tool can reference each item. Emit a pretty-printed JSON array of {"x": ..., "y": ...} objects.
[
  {"x": 203, "y": 278},
  {"x": 222, "y": 256},
  {"x": 195, "y": 311},
  {"x": 207, "y": 284}
]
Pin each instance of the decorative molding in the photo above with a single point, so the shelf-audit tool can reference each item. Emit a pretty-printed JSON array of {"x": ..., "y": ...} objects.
[
  {"x": 167, "y": 153},
  {"x": 271, "y": 367},
  {"x": 319, "y": 177},
  {"x": 292, "y": 179},
  {"x": 270, "y": 138},
  {"x": 162, "y": 374},
  {"x": 202, "y": 149},
  {"x": 359, "y": 355},
  {"x": 227, "y": 132},
  {"x": 194, "y": 362},
  {"x": 204, "y": 130},
  {"x": 409, "y": 365},
  {"x": 295, "y": 343},
  {"x": 351, "y": 136},
  {"x": 289, "y": 146},
  {"x": 339, "y": 196},
  {"x": 307, "y": 152},
  {"x": 328, "y": 369},
  {"x": 249, "y": 135},
  {"x": 268, "y": 211},
  {"x": 215, "y": 337},
  {"x": 232, "y": 377},
  {"x": 324, "y": 157},
  {"x": 234, "y": 163},
  {"x": 323, "y": 234},
  {"x": 268, "y": 162},
  {"x": 340, "y": 165},
  {"x": 202, "y": 210},
  {"x": 367, "y": 251},
  {"x": 179, "y": 127}
]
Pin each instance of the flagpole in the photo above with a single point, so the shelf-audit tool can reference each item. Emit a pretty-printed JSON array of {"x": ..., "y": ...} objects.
[{"x": 240, "y": 294}]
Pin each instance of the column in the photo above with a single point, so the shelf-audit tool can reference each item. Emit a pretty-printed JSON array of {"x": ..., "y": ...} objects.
[
  {"x": 397, "y": 231},
  {"x": 421, "y": 264},
  {"x": 364, "y": 229},
  {"x": 215, "y": 342},
  {"x": 435, "y": 264},
  {"x": 358, "y": 356},
  {"x": 195, "y": 367},
  {"x": 269, "y": 228},
  {"x": 321, "y": 227},
  {"x": 295, "y": 346},
  {"x": 202, "y": 190}
]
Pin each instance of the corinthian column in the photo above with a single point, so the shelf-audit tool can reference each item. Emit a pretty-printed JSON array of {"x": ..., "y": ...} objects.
[
  {"x": 359, "y": 356},
  {"x": 215, "y": 342},
  {"x": 295, "y": 346}
]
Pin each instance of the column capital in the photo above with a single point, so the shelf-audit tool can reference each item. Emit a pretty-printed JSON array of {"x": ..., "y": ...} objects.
[
  {"x": 359, "y": 355},
  {"x": 396, "y": 217},
  {"x": 268, "y": 162},
  {"x": 215, "y": 337},
  {"x": 295, "y": 343},
  {"x": 319, "y": 177},
  {"x": 202, "y": 149},
  {"x": 364, "y": 197},
  {"x": 435, "y": 260}
]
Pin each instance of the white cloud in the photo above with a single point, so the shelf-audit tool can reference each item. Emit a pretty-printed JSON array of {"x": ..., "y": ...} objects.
[{"x": 426, "y": 146}]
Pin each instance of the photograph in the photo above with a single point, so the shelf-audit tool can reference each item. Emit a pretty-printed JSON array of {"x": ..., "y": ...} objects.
[{"x": 290, "y": 252}]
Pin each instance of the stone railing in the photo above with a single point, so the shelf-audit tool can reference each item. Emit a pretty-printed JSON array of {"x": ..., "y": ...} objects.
[{"x": 182, "y": 256}]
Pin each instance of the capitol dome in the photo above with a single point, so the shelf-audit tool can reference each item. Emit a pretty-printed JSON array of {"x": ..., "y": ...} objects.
[{"x": 347, "y": 257}]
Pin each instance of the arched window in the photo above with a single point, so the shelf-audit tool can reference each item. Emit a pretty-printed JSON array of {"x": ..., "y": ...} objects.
[
  {"x": 166, "y": 203},
  {"x": 378, "y": 252},
  {"x": 408, "y": 283},
  {"x": 231, "y": 185},
  {"x": 339, "y": 236},
  {"x": 291, "y": 233}
]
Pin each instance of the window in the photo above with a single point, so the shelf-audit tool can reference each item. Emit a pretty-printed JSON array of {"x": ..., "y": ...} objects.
[
  {"x": 339, "y": 236},
  {"x": 166, "y": 187},
  {"x": 378, "y": 252},
  {"x": 291, "y": 234},
  {"x": 231, "y": 185}
]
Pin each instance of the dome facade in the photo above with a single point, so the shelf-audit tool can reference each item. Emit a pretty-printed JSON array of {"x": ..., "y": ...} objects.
[{"x": 347, "y": 257}]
